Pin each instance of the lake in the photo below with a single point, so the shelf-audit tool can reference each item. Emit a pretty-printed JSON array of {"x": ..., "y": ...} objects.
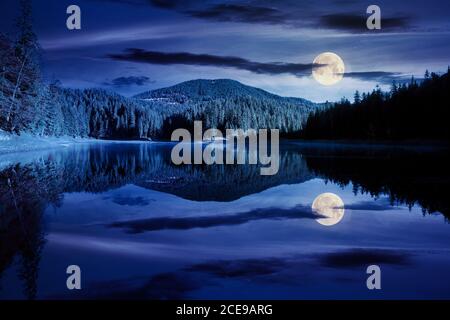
[{"x": 140, "y": 227}]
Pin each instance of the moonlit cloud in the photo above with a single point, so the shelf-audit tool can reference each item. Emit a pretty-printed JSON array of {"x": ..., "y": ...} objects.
[
  {"x": 165, "y": 58},
  {"x": 129, "y": 81},
  {"x": 357, "y": 22}
]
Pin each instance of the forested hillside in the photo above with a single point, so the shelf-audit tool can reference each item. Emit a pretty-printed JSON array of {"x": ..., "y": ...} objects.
[
  {"x": 226, "y": 104},
  {"x": 101, "y": 114},
  {"x": 414, "y": 111}
]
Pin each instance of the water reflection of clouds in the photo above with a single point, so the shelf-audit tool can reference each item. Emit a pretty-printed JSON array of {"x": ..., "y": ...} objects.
[
  {"x": 163, "y": 286},
  {"x": 364, "y": 257},
  {"x": 288, "y": 271},
  {"x": 126, "y": 200},
  {"x": 382, "y": 204},
  {"x": 166, "y": 223},
  {"x": 217, "y": 220},
  {"x": 130, "y": 201},
  {"x": 102, "y": 244}
]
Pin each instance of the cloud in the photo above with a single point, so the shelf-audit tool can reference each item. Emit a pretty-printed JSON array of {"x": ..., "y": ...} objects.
[
  {"x": 291, "y": 17},
  {"x": 164, "y": 58},
  {"x": 124, "y": 200},
  {"x": 167, "y": 4},
  {"x": 270, "y": 68},
  {"x": 163, "y": 4},
  {"x": 162, "y": 286},
  {"x": 291, "y": 270},
  {"x": 240, "y": 268},
  {"x": 268, "y": 266},
  {"x": 129, "y": 81},
  {"x": 357, "y": 22},
  {"x": 228, "y": 12},
  {"x": 363, "y": 257},
  {"x": 165, "y": 223},
  {"x": 379, "y": 76},
  {"x": 379, "y": 205},
  {"x": 283, "y": 13},
  {"x": 242, "y": 13}
]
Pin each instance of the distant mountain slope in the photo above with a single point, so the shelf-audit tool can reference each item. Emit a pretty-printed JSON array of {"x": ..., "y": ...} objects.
[
  {"x": 226, "y": 104},
  {"x": 212, "y": 89}
]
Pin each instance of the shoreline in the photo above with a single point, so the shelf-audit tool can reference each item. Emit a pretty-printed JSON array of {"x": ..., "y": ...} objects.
[
  {"x": 374, "y": 143},
  {"x": 11, "y": 143}
]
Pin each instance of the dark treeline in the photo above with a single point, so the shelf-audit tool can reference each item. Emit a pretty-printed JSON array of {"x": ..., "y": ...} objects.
[
  {"x": 413, "y": 111},
  {"x": 423, "y": 181}
]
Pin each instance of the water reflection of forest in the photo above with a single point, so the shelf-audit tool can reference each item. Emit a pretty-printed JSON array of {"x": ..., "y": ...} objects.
[{"x": 407, "y": 176}]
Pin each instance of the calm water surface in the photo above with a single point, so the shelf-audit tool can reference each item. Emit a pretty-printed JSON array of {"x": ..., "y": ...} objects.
[{"x": 141, "y": 227}]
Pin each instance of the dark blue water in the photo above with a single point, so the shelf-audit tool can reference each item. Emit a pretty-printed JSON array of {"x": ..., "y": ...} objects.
[{"x": 140, "y": 227}]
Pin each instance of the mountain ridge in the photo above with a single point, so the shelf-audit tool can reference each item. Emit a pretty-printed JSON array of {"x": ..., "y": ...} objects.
[
  {"x": 214, "y": 88},
  {"x": 227, "y": 104}
]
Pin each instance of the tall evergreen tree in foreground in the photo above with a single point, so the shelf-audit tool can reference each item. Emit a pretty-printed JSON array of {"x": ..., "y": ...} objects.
[{"x": 20, "y": 78}]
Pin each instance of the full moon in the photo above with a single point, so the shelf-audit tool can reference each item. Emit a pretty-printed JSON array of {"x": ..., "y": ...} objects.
[
  {"x": 329, "y": 208},
  {"x": 333, "y": 70}
]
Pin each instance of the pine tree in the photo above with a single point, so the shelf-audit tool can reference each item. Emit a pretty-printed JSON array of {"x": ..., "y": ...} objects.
[
  {"x": 357, "y": 97},
  {"x": 24, "y": 73},
  {"x": 393, "y": 88}
]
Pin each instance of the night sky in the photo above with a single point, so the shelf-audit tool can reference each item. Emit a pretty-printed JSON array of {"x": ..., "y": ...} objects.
[{"x": 131, "y": 46}]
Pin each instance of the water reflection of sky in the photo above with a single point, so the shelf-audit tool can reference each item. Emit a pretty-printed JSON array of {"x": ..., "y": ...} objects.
[
  {"x": 262, "y": 245},
  {"x": 278, "y": 257}
]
